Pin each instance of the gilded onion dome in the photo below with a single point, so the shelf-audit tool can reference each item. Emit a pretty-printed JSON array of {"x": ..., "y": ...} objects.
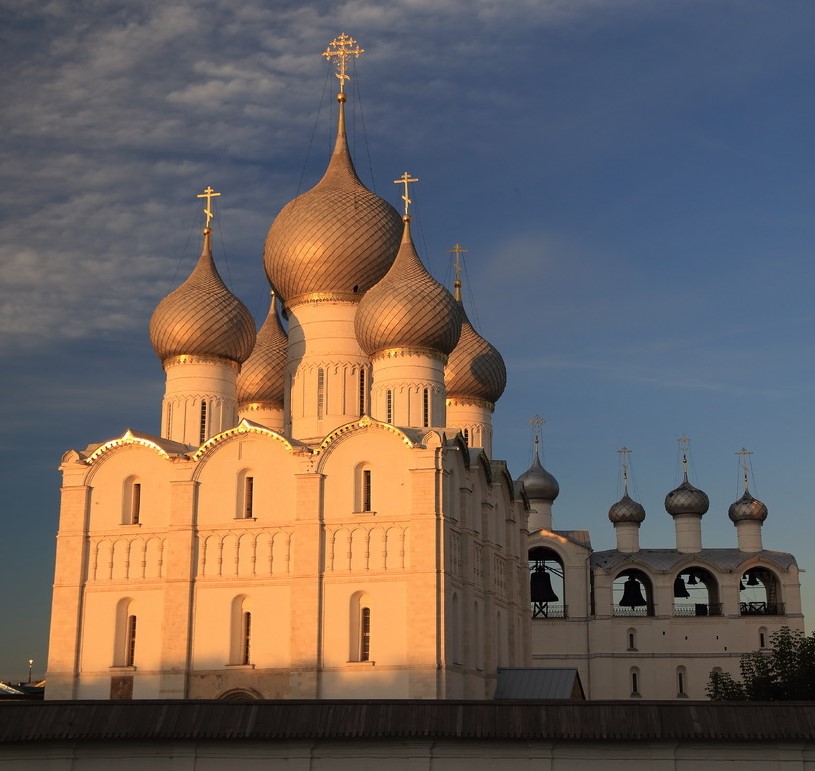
[
  {"x": 475, "y": 369},
  {"x": 408, "y": 308},
  {"x": 746, "y": 508},
  {"x": 626, "y": 510},
  {"x": 539, "y": 484},
  {"x": 686, "y": 499},
  {"x": 261, "y": 376},
  {"x": 338, "y": 239},
  {"x": 202, "y": 317}
]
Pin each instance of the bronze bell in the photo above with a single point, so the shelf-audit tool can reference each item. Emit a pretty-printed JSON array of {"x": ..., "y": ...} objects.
[
  {"x": 680, "y": 590},
  {"x": 632, "y": 594},
  {"x": 540, "y": 587},
  {"x": 752, "y": 580}
]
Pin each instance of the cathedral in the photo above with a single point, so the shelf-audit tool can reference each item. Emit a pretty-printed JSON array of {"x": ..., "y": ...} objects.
[{"x": 321, "y": 516}]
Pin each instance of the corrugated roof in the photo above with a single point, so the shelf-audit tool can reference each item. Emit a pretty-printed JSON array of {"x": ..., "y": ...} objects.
[
  {"x": 538, "y": 684},
  {"x": 667, "y": 559},
  {"x": 299, "y": 720}
]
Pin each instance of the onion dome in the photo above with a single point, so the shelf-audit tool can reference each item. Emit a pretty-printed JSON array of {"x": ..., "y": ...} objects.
[
  {"x": 202, "y": 317},
  {"x": 539, "y": 484},
  {"x": 339, "y": 238},
  {"x": 746, "y": 508},
  {"x": 261, "y": 376},
  {"x": 626, "y": 510},
  {"x": 408, "y": 308},
  {"x": 475, "y": 369},
  {"x": 686, "y": 499}
]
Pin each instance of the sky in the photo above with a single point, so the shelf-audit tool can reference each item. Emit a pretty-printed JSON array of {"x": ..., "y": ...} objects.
[{"x": 634, "y": 181}]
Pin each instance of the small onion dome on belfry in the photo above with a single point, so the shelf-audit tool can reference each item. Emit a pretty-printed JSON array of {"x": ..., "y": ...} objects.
[
  {"x": 475, "y": 368},
  {"x": 746, "y": 507},
  {"x": 202, "y": 317},
  {"x": 626, "y": 509},
  {"x": 686, "y": 499},
  {"x": 338, "y": 239},
  {"x": 539, "y": 484},
  {"x": 408, "y": 308},
  {"x": 261, "y": 377}
]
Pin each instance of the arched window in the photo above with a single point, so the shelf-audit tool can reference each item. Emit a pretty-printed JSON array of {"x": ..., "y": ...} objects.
[
  {"x": 320, "y": 392},
  {"x": 467, "y": 436},
  {"x": 203, "y": 431},
  {"x": 240, "y": 647},
  {"x": 681, "y": 681},
  {"x": 124, "y": 642},
  {"x": 762, "y": 637},
  {"x": 696, "y": 593},
  {"x": 426, "y": 407},
  {"x": 131, "y": 501},
  {"x": 760, "y": 593},
  {"x": 360, "y": 627},
  {"x": 546, "y": 583},
  {"x": 362, "y": 392},
  {"x": 632, "y": 594},
  {"x": 246, "y": 495},
  {"x": 363, "y": 488},
  {"x": 632, "y": 639},
  {"x": 389, "y": 406},
  {"x": 634, "y": 678},
  {"x": 169, "y": 420}
]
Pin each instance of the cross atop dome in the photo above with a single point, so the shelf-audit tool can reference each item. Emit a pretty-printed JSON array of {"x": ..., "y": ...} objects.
[
  {"x": 209, "y": 194},
  {"x": 405, "y": 180},
  {"x": 458, "y": 250},
  {"x": 341, "y": 48},
  {"x": 744, "y": 462}
]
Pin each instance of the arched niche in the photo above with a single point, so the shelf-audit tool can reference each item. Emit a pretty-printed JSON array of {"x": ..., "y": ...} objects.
[
  {"x": 547, "y": 583},
  {"x": 760, "y": 593},
  {"x": 696, "y": 593},
  {"x": 632, "y": 594}
]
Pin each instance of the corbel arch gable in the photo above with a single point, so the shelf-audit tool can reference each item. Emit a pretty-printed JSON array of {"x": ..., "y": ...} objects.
[{"x": 243, "y": 428}]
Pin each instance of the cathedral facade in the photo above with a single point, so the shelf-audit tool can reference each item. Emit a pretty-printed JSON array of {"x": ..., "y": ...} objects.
[{"x": 321, "y": 515}]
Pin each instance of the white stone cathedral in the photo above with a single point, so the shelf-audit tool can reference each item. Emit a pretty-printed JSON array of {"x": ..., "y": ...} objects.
[{"x": 321, "y": 516}]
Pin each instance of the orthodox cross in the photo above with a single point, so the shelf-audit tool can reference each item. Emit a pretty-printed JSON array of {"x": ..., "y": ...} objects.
[
  {"x": 744, "y": 461},
  {"x": 342, "y": 50},
  {"x": 458, "y": 250},
  {"x": 405, "y": 179},
  {"x": 624, "y": 453},
  {"x": 209, "y": 194},
  {"x": 537, "y": 424},
  {"x": 684, "y": 443}
]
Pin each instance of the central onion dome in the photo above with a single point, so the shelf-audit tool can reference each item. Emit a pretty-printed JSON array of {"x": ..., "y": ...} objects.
[
  {"x": 686, "y": 499},
  {"x": 475, "y": 369},
  {"x": 339, "y": 238},
  {"x": 261, "y": 376},
  {"x": 202, "y": 317},
  {"x": 626, "y": 510},
  {"x": 539, "y": 484},
  {"x": 408, "y": 308}
]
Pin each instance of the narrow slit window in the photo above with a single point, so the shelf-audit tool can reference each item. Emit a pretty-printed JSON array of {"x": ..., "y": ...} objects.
[
  {"x": 135, "y": 503},
  {"x": 680, "y": 683},
  {"x": 361, "y": 392},
  {"x": 130, "y": 651},
  {"x": 467, "y": 436},
  {"x": 389, "y": 406},
  {"x": 426, "y": 407},
  {"x": 320, "y": 392},
  {"x": 248, "y": 497},
  {"x": 635, "y": 683},
  {"x": 169, "y": 420},
  {"x": 246, "y": 635},
  {"x": 203, "y": 433},
  {"x": 365, "y": 634},
  {"x": 366, "y": 489}
]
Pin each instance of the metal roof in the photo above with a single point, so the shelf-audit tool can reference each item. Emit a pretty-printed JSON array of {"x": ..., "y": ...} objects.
[
  {"x": 160, "y": 720},
  {"x": 666, "y": 560},
  {"x": 538, "y": 684}
]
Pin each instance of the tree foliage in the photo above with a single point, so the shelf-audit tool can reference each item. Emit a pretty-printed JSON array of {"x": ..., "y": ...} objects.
[{"x": 783, "y": 672}]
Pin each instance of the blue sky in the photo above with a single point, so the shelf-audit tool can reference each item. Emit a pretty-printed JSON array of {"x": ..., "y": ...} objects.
[{"x": 634, "y": 181}]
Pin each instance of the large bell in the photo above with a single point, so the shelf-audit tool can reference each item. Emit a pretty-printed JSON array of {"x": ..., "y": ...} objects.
[
  {"x": 752, "y": 580},
  {"x": 680, "y": 590},
  {"x": 540, "y": 587},
  {"x": 632, "y": 594}
]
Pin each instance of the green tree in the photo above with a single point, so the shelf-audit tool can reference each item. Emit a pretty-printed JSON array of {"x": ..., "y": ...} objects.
[{"x": 784, "y": 672}]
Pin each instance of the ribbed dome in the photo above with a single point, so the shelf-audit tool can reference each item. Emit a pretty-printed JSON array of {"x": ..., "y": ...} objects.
[
  {"x": 408, "y": 308},
  {"x": 539, "y": 484},
  {"x": 261, "y": 376},
  {"x": 746, "y": 508},
  {"x": 686, "y": 499},
  {"x": 202, "y": 317},
  {"x": 475, "y": 369},
  {"x": 339, "y": 237},
  {"x": 626, "y": 510}
]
